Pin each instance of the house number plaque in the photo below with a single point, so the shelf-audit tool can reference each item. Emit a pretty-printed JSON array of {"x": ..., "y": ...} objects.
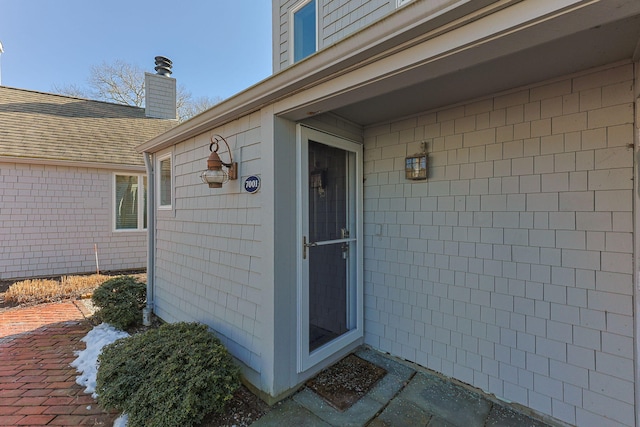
[{"x": 252, "y": 184}]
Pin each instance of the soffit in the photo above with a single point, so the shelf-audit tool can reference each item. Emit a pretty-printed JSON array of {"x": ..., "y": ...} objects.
[{"x": 554, "y": 46}]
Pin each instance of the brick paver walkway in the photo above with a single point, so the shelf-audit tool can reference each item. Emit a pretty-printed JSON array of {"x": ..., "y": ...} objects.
[{"x": 37, "y": 385}]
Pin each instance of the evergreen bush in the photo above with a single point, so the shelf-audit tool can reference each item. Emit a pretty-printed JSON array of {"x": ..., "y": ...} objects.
[
  {"x": 171, "y": 376},
  {"x": 120, "y": 301}
]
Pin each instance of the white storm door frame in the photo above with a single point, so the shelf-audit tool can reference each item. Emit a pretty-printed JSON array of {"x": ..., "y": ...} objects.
[{"x": 307, "y": 359}]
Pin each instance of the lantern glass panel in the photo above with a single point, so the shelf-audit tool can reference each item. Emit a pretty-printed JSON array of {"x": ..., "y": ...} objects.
[{"x": 416, "y": 167}]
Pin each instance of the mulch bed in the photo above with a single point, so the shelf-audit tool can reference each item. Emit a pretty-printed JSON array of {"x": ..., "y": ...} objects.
[
  {"x": 140, "y": 275},
  {"x": 344, "y": 383},
  {"x": 241, "y": 411}
]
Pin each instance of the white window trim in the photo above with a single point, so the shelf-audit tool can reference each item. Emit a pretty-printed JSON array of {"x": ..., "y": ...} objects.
[
  {"x": 141, "y": 226},
  {"x": 158, "y": 177},
  {"x": 292, "y": 12},
  {"x": 400, "y": 3}
]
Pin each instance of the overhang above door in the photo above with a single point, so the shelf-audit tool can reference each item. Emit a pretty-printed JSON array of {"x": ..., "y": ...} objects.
[{"x": 432, "y": 74}]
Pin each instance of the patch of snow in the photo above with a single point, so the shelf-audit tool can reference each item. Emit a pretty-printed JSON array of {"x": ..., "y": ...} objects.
[
  {"x": 121, "y": 421},
  {"x": 86, "y": 362}
]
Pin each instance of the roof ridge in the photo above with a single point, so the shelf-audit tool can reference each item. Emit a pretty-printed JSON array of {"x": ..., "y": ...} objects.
[{"x": 70, "y": 97}]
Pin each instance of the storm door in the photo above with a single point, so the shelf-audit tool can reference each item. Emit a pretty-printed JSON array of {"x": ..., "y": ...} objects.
[{"x": 330, "y": 282}]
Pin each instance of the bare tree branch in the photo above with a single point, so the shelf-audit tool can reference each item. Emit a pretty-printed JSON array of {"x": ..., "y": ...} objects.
[
  {"x": 118, "y": 82},
  {"x": 188, "y": 106},
  {"x": 71, "y": 90},
  {"x": 123, "y": 83}
]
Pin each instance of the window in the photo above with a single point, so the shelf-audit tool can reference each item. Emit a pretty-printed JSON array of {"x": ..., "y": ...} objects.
[
  {"x": 164, "y": 182},
  {"x": 130, "y": 201},
  {"x": 304, "y": 30},
  {"x": 400, "y": 3}
]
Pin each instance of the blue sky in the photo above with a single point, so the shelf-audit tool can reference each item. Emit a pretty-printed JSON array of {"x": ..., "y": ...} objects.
[{"x": 218, "y": 47}]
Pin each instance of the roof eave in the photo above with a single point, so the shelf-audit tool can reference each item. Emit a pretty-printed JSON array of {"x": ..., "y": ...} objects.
[
  {"x": 354, "y": 51},
  {"x": 73, "y": 163}
]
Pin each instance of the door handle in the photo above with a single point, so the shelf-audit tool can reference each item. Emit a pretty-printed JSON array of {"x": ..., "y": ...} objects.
[{"x": 306, "y": 245}]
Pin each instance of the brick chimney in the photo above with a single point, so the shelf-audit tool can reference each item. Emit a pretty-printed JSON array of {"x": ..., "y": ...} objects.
[{"x": 160, "y": 91}]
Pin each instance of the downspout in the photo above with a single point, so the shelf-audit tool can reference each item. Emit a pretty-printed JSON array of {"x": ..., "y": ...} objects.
[
  {"x": 636, "y": 229},
  {"x": 151, "y": 232}
]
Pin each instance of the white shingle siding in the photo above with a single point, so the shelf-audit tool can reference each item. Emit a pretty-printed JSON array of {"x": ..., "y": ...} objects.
[
  {"x": 51, "y": 217},
  {"x": 518, "y": 277},
  {"x": 208, "y": 259},
  {"x": 160, "y": 96},
  {"x": 339, "y": 18},
  {"x": 336, "y": 20}
]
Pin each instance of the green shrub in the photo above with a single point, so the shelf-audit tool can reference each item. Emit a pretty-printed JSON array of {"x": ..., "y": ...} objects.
[
  {"x": 120, "y": 301},
  {"x": 170, "y": 376}
]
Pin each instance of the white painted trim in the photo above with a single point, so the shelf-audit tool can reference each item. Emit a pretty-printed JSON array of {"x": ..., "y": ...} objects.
[
  {"x": 71, "y": 163},
  {"x": 400, "y": 3},
  {"x": 160, "y": 159},
  {"x": 306, "y": 360},
  {"x": 393, "y": 35},
  {"x": 434, "y": 46},
  {"x": 301, "y": 168},
  {"x": 140, "y": 202},
  {"x": 359, "y": 47}
]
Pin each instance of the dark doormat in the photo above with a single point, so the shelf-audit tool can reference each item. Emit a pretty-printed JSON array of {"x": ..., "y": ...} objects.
[{"x": 345, "y": 382}]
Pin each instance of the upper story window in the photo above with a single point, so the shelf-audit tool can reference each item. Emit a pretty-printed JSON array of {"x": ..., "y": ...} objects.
[
  {"x": 400, "y": 3},
  {"x": 165, "y": 181},
  {"x": 130, "y": 197},
  {"x": 304, "y": 29}
]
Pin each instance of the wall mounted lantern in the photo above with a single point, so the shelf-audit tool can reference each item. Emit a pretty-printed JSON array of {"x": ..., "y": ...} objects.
[
  {"x": 214, "y": 175},
  {"x": 416, "y": 167}
]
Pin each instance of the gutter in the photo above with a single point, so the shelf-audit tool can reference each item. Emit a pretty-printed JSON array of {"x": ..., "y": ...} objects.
[
  {"x": 636, "y": 229},
  {"x": 71, "y": 163},
  {"x": 151, "y": 232},
  {"x": 395, "y": 32}
]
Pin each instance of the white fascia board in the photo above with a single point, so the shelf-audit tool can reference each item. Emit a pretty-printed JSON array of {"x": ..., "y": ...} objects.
[
  {"x": 493, "y": 34},
  {"x": 390, "y": 31},
  {"x": 462, "y": 25},
  {"x": 71, "y": 163}
]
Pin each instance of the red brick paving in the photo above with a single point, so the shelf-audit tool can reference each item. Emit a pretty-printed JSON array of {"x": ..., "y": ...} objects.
[
  {"x": 37, "y": 385},
  {"x": 18, "y": 320}
]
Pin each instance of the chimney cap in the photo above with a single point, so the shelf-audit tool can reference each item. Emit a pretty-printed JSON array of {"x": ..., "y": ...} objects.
[{"x": 163, "y": 66}]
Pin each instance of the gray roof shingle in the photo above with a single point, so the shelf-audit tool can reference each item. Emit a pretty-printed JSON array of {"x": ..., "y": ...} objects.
[{"x": 40, "y": 125}]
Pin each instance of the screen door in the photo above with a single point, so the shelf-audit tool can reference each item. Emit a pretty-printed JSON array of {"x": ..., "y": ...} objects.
[{"x": 330, "y": 309}]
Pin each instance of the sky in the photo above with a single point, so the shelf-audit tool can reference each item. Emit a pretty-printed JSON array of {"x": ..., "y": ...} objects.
[{"x": 218, "y": 47}]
